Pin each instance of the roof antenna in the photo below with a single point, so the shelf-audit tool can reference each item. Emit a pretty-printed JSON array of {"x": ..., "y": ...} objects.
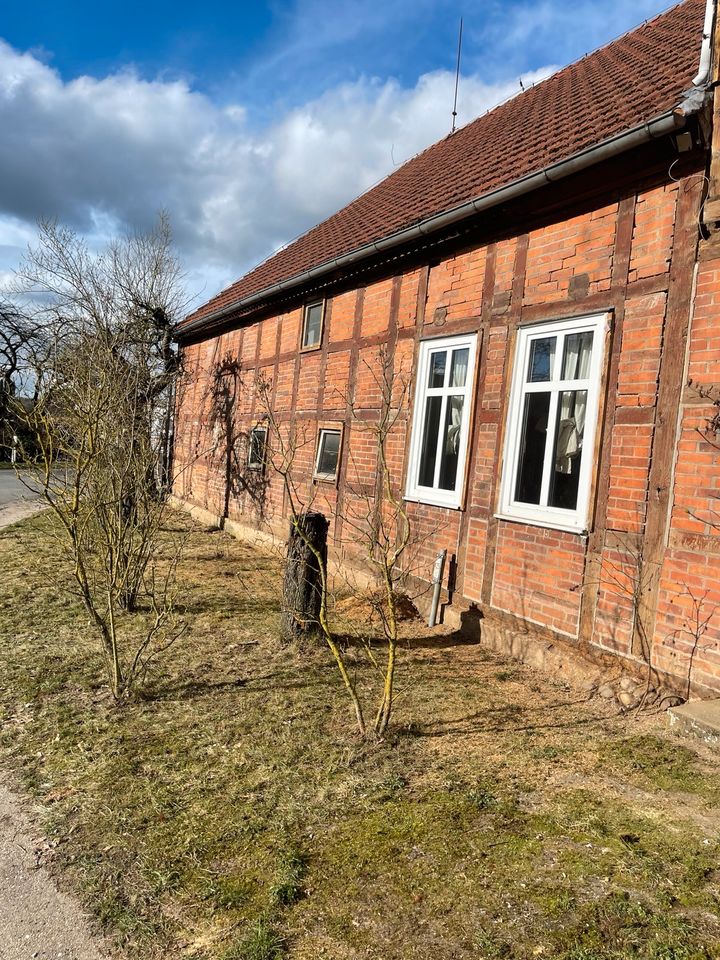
[{"x": 457, "y": 78}]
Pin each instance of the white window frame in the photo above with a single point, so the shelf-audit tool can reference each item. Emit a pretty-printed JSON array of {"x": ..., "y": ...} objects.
[
  {"x": 257, "y": 464},
  {"x": 576, "y": 520},
  {"x": 413, "y": 490},
  {"x": 329, "y": 477},
  {"x": 316, "y": 345}
]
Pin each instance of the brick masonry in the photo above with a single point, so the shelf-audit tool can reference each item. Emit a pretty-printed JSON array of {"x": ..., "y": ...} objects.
[{"x": 622, "y": 255}]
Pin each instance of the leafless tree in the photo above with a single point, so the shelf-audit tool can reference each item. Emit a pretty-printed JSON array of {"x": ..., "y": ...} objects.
[
  {"x": 380, "y": 524},
  {"x": 18, "y": 337},
  {"x": 105, "y": 367},
  {"x": 284, "y": 443}
]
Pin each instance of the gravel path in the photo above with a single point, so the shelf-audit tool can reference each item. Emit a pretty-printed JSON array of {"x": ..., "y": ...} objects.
[{"x": 37, "y": 921}]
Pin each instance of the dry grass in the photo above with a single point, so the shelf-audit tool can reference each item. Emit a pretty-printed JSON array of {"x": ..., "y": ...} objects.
[{"x": 230, "y": 814}]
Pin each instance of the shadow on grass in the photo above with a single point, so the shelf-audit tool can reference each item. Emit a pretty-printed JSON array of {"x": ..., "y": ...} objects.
[
  {"x": 508, "y": 718},
  {"x": 268, "y": 683}
]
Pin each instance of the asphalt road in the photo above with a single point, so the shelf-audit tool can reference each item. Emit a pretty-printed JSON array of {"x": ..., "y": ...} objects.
[{"x": 11, "y": 489}]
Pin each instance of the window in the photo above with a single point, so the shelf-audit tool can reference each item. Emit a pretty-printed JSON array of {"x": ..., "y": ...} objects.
[
  {"x": 256, "y": 448},
  {"x": 441, "y": 420},
  {"x": 328, "y": 453},
  {"x": 312, "y": 325},
  {"x": 553, "y": 411}
]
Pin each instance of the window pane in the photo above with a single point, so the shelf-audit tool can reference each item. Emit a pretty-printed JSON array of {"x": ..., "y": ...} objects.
[
  {"x": 428, "y": 452},
  {"x": 458, "y": 369},
  {"x": 567, "y": 452},
  {"x": 576, "y": 356},
  {"x": 451, "y": 443},
  {"x": 532, "y": 447},
  {"x": 313, "y": 323},
  {"x": 542, "y": 359},
  {"x": 436, "y": 378},
  {"x": 257, "y": 448},
  {"x": 329, "y": 453}
]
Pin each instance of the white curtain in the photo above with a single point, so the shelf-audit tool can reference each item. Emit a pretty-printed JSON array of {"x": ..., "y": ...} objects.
[
  {"x": 458, "y": 376},
  {"x": 578, "y": 352}
]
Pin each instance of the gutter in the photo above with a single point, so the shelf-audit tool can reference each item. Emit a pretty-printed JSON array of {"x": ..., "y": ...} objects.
[{"x": 666, "y": 123}]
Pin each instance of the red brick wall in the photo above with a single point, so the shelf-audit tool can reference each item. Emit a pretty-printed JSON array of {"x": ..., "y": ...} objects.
[
  {"x": 687, "y": 635},
  {"x": 617, "y": 257}
]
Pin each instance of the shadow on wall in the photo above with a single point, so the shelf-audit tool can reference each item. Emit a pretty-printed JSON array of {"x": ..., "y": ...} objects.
[{"x": 231, "y": 446}]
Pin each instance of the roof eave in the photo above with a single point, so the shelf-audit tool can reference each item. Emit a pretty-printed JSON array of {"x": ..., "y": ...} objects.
[{"x": 666, "y": 123}]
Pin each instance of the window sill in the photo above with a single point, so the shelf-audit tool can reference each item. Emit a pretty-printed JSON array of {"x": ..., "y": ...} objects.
[
  {"x": 426, "y": 501},
  {"x": 548, "y": 523}
]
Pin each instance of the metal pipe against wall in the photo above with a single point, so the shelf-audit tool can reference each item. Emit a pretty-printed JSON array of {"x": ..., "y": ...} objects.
[{"x": 437, "y": 585}]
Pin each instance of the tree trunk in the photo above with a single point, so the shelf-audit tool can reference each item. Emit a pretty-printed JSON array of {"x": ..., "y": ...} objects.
[{"x": 303, "y": 583}]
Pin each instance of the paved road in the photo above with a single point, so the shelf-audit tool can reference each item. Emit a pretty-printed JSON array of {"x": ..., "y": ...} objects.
[{"x": 11, "y": 488}]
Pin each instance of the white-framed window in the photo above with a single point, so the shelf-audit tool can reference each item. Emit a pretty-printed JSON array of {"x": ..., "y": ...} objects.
[
  {"x": 441, "y": 420},
  {"x": 257, "y": 444},
  {"x": 313, "y": 317},
  {"x": 551, "y": 424},
  {"x": 327, "y": 455}
]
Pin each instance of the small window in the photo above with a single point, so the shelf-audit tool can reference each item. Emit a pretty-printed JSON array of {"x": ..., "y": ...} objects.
[
  {"x": 441, "y": 420},
  {"x": 257, "y": 448},
  {"x": 313, "y": 325},
  {"x": 328, "y": 454},
  {"x": 552, "y": 416}
]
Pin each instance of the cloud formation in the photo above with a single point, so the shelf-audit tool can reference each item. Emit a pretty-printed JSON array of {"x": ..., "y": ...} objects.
[{"x": 106, "y": 154}]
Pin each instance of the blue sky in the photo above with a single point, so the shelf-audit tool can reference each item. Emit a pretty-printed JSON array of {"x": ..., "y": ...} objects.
[{"x": 249, "y": 122}]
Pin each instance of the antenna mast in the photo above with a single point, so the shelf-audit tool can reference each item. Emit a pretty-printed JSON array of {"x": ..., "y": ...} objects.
[{"x": 457, "y": 77}]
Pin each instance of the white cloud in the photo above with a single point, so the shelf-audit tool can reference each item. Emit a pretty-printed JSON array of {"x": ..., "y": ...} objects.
[{"x": 106, "y": 154}]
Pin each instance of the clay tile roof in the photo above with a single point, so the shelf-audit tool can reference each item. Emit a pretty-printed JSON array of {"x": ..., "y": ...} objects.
[{"x": 622, "y": 85}]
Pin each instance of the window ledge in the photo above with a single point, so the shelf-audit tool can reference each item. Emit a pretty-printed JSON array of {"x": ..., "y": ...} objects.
[
  {"x": 549, "y": 523},
  {"x": 428, "y": 502}
]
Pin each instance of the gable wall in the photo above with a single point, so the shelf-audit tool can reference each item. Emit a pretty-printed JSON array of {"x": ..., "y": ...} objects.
[{"x": 624, "y": 587}]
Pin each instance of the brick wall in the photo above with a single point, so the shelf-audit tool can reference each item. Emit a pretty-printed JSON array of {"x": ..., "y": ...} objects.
[{"x": 617, "y": 257}]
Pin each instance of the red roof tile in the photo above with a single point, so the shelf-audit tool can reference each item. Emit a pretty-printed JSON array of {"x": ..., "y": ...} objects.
[{"x": 622, "y": 85}]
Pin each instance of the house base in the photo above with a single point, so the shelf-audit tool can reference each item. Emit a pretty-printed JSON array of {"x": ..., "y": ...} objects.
[{"x": 613, "y": 677}]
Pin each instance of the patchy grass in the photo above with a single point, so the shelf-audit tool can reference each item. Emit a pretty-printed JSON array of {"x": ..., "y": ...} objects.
[{"x": 229, "y": 813}]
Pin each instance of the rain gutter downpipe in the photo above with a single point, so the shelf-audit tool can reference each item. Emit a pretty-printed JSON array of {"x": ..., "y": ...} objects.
[
  {"x": 668, "y": 122},
  {"x": 703, "y": 73}
]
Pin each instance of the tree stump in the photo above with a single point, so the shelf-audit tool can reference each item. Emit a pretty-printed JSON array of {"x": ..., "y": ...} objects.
[{"x": 302, "y": 585}]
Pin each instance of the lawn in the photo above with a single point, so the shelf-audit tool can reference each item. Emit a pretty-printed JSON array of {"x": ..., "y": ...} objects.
[{"x": 231, "y": 814}]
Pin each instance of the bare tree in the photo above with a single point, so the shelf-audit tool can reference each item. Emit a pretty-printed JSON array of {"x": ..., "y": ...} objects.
[
  {"x": 283, "y": 446},
  {"x": 105, "y": 367},
  {"x": 381, "y": 526},
  {"x": 18, "y": 337}
]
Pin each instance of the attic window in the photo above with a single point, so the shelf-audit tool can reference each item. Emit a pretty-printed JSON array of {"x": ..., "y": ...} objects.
[{"x": 313, "y": 325}]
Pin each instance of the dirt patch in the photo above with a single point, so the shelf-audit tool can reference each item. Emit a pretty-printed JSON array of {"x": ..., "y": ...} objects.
[{"x": 20, "y": 510}]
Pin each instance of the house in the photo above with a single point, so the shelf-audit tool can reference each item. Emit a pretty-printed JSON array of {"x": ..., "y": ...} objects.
[{"x": 549, "y": 278}]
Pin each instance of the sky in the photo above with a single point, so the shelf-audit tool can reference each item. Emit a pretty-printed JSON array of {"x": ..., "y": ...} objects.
[{"x": 249, "y": 122}]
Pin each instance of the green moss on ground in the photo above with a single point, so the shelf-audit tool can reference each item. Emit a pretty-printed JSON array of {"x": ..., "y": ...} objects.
[{"x": 229, "y": 813}]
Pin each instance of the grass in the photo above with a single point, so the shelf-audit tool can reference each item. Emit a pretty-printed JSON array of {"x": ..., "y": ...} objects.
[{"x": 230, "y": 813}]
